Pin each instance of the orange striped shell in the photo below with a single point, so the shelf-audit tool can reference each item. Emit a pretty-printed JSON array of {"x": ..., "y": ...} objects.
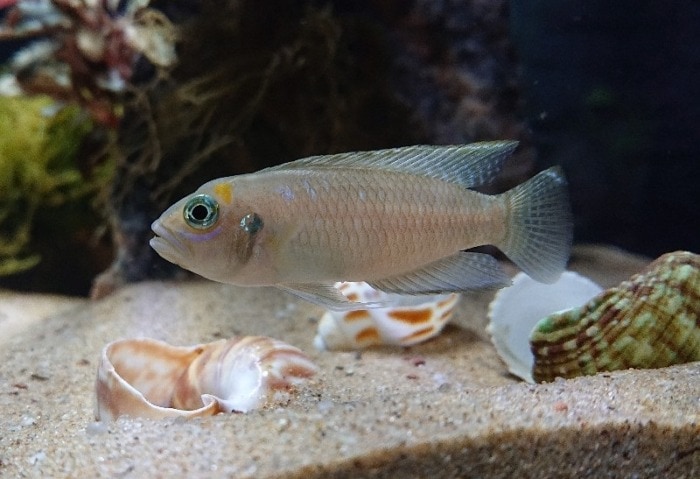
[
  {"x": 407, "y": 320},
  {"x": 650, "y": 321}
]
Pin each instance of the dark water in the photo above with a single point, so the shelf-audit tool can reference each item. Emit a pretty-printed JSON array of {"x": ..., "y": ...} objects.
[{"x": 613, "y": 94}]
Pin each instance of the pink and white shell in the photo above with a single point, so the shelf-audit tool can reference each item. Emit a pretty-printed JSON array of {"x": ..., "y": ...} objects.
[{"x": 153, "y": 379}]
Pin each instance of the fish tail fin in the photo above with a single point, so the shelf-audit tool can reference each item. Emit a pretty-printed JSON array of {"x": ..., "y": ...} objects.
[{"x": 539, "y": 229}]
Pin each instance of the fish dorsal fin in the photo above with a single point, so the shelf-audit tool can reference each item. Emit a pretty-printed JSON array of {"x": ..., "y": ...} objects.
[
  {"x": 462, "y": 271},
  {"x": 468, "y": 165}
]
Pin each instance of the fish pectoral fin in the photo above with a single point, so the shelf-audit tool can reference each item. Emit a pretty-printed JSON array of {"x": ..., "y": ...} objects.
[
  {"x": 325, "y": 295},
  {"x": 460, "y": 272}
]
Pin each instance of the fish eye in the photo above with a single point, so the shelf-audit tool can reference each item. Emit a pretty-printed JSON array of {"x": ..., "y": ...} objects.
[
  {"x": 201, "y": 212},
  {"x": 251, "y": 223}
]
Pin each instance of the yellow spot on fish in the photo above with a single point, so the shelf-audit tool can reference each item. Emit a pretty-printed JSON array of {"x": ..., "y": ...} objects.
[{"x": 224, "y": 192}]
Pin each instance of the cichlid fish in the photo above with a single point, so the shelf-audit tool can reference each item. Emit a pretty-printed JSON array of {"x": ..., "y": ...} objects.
[{"x": 398, "y": 219}]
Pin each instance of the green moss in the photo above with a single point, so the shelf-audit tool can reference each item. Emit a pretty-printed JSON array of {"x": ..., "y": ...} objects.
[{"x": 39, "y": 173}]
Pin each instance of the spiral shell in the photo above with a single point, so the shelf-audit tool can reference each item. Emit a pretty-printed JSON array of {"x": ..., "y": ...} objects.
[
  {"x": 149, "y": 378},
  {"x": 650, "y": 321},
  {"x": 406, "y": 320}
]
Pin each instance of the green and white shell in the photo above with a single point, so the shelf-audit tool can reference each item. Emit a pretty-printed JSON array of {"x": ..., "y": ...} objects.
[{"x": 650, "y": 321}]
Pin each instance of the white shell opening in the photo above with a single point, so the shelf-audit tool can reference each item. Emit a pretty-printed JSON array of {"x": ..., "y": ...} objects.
[{"x": 515, "y": 311}]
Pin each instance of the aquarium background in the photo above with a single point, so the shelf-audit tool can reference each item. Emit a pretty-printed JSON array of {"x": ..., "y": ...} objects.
[
  {"x": 613, "y": 94},
  {"x": 609, "y": 90}
]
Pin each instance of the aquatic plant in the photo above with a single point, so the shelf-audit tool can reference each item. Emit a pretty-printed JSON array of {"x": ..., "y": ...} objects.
[
  {"x": 38, "y": 146},
  {"x": 85, "y": 55}
]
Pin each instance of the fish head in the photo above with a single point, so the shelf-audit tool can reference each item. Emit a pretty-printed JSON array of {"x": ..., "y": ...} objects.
[{"x": 208, "y": 232}]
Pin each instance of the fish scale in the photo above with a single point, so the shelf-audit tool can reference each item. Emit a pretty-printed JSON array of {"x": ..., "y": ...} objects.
[{"x": 334, "y": 229}]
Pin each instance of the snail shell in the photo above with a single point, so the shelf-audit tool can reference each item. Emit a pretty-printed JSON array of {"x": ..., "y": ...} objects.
[
  {"x": 650, "y": 321},
  {"x": 149, "y": 378},
  {"x": 516, "y": 310},
  {"x": 405, "y": 321}
]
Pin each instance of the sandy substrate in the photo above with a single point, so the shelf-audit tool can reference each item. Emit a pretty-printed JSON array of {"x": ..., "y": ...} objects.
[
  {"x": 21, "y": 312},
  {"x": 447, "y": 408}
]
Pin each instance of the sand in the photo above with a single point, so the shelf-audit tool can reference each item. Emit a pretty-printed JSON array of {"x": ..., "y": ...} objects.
[{"x": 447, "y": 408}]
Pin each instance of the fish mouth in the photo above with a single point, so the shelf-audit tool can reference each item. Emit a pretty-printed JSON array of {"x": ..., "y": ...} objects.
[{"x": 166, "y": 244}]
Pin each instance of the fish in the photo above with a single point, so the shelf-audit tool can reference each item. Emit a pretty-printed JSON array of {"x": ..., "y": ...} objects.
[{"x": 400, "y": 219}]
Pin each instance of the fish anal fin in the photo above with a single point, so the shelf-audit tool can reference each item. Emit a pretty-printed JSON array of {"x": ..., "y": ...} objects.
[
  {"x": 325, "y": 295},
  {"x": 461, "y": 272}
]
